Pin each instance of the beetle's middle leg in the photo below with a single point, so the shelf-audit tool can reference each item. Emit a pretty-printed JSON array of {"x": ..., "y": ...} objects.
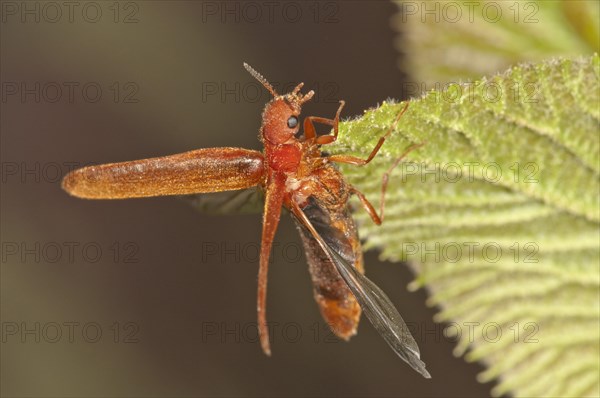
[{"x": 361, "y": 162}]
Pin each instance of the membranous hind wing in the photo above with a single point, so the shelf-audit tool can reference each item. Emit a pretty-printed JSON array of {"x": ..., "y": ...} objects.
[
  {"x": 338, "y": 305},
  {"x": 246, "y": 201},
  {"x": 374, "y": 303}
]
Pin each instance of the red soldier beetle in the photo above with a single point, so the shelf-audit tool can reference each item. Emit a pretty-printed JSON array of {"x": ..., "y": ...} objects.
[{"x": 294, "y": 174}]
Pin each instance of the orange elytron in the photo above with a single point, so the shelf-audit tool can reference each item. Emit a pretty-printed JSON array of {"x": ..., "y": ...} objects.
[{"x": 294, "y": 174}]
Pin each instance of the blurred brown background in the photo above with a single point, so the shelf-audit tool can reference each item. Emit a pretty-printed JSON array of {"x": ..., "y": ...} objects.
[{"x": 149, "y": 297}]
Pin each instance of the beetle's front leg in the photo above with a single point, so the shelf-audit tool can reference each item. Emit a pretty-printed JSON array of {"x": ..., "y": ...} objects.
[{"x": 310, "y": 131}]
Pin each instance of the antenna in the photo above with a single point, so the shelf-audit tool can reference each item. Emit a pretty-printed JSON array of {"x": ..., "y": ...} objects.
[{"x": 261, "y": 79}]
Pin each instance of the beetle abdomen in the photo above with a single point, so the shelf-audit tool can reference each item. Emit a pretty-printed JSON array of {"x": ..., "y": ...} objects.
[{"x": 338, "y": 306}]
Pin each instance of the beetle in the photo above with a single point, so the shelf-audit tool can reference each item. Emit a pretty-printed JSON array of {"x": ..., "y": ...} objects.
[{"x": 294, "y": 174}]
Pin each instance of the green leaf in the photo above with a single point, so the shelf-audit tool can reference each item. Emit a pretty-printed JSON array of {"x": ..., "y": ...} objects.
[
  {"x": 452, "y": 40},
  {"x": 499, "y": 215}
]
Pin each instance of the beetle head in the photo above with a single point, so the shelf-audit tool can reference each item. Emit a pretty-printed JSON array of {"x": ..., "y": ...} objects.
[{"x": 280, "y": 118}]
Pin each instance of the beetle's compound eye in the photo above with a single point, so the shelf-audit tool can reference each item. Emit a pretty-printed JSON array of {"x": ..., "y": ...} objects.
[{"x": 292, "y": 122}]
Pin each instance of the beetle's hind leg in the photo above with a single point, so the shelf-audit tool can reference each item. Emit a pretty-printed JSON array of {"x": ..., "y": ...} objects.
[{"x": 369, "y": 208}]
